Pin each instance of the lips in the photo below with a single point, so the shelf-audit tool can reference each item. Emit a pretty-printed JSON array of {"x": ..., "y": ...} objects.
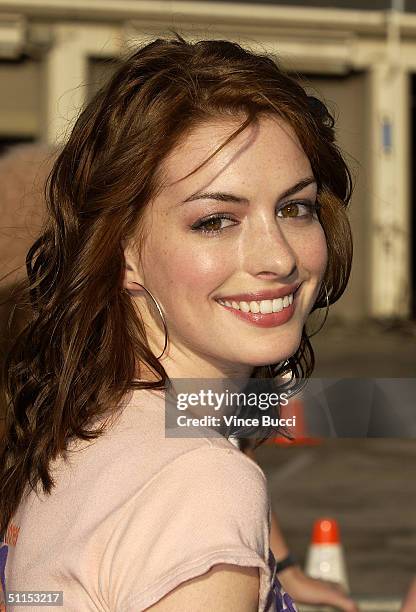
[
  {"x": 258, "y": 296},
  {"x": 258, "y": 319}
]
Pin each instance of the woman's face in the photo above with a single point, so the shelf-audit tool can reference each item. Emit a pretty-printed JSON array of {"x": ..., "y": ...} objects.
[{"x": 243, "y": 224}]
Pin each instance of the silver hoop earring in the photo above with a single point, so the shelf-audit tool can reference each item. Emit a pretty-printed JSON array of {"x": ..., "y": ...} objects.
[
  {"x": 162, "y": 316},
  {"x": 277, "y": 366},
  {"x": 326, "y": 313}
]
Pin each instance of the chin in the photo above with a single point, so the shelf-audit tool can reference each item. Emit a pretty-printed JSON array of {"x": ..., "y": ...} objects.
[
  {"x": 274, "y": 358},
  {"x": 266, "y": 356}
]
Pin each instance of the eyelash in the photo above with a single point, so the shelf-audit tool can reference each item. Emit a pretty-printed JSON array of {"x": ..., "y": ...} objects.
[{"x": 198, "y": 227}]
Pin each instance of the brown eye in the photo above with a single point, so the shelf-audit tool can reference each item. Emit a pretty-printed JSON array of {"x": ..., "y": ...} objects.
[
  {"x": 212, "y": 225},
  {"x": 291, "y": 210},
  {"x": 298, "y": 210}
]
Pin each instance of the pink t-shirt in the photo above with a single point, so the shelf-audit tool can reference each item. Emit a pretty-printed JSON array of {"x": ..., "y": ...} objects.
[{"x": 134, "y": 514}]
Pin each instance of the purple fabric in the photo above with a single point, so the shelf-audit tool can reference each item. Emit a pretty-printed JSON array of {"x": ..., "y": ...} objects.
[
  {"x": 3, "y": 559},
  {"x": 278, "y": 600},
  {"x": 284, "y": 603}
]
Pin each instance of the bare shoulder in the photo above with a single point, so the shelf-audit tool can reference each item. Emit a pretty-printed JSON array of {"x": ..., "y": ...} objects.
[{"x": 224, "y": 588}]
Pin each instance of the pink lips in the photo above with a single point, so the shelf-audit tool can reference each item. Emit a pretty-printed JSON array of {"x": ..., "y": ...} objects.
[{"x": 264, "y": 320}]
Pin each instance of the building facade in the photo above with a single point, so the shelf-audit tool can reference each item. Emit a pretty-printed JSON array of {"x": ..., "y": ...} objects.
[{"x": 55, "y": 54}]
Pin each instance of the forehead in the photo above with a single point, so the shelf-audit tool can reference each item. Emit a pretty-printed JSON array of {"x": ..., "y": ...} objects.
[{"x": 267, "y": 146}]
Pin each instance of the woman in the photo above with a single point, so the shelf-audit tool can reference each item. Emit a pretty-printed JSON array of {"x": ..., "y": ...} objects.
[{"x": 200, "y": 181}]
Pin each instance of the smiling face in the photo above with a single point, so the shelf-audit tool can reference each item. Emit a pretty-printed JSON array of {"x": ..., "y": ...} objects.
[{"x": 243, "y": 224}]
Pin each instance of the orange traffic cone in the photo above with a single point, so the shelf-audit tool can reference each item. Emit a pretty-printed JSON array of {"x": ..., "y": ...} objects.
[
  {"x": 294, "y": 410},
  {"x": 325, "y": 558}
]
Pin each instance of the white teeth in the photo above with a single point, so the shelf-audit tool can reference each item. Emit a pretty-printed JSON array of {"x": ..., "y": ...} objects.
[
  {"x": 277, "y": 305},
  {"x": 264, "y": 306}
]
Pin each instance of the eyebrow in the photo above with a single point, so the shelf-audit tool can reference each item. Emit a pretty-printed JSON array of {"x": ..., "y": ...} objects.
[{"x": 230, "y": 197}]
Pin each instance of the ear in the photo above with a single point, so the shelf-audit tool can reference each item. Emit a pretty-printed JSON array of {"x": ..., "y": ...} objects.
[{"x": 132, "y": 280}]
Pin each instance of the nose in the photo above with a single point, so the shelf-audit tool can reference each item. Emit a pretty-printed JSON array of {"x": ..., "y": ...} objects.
[{"x": 265, "y": 250}]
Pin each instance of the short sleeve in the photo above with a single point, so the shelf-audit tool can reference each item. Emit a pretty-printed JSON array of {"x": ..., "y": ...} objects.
[{"x": 208, "y": 506}]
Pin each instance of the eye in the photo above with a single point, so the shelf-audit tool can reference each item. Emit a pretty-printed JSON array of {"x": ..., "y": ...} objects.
[
  {"x": 211, "y": 225},
  {"x": 298, "y": 210}
]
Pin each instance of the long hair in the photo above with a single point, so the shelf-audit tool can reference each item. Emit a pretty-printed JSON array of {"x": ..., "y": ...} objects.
[
  {"x": 75, "y": 359},
  {"x": 23, "y": 171}
]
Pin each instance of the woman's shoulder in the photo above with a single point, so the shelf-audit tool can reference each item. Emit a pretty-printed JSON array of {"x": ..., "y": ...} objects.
[
  {"x": 138, "y": 445},
  {"x": 136, "y": 453}
]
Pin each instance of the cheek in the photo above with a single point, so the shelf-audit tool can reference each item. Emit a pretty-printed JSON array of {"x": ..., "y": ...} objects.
[
  {"x": 184, "y": 266},
  {"x": 313, "y": 252}
]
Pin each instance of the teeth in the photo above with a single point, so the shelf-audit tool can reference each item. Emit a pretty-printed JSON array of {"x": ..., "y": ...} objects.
[
  {"x": 277, "y": 305},
  {"x": 264, "y": 306}
]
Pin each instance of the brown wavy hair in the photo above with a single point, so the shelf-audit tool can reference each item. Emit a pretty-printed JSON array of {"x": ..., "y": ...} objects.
[{"x": 74, "y": 361}]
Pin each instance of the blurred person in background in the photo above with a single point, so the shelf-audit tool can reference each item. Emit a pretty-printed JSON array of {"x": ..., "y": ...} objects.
[
  {"x": 409, "y": 603},
  {"x": 23, "y": 172},
  {"x": 170, "y": 104}
]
